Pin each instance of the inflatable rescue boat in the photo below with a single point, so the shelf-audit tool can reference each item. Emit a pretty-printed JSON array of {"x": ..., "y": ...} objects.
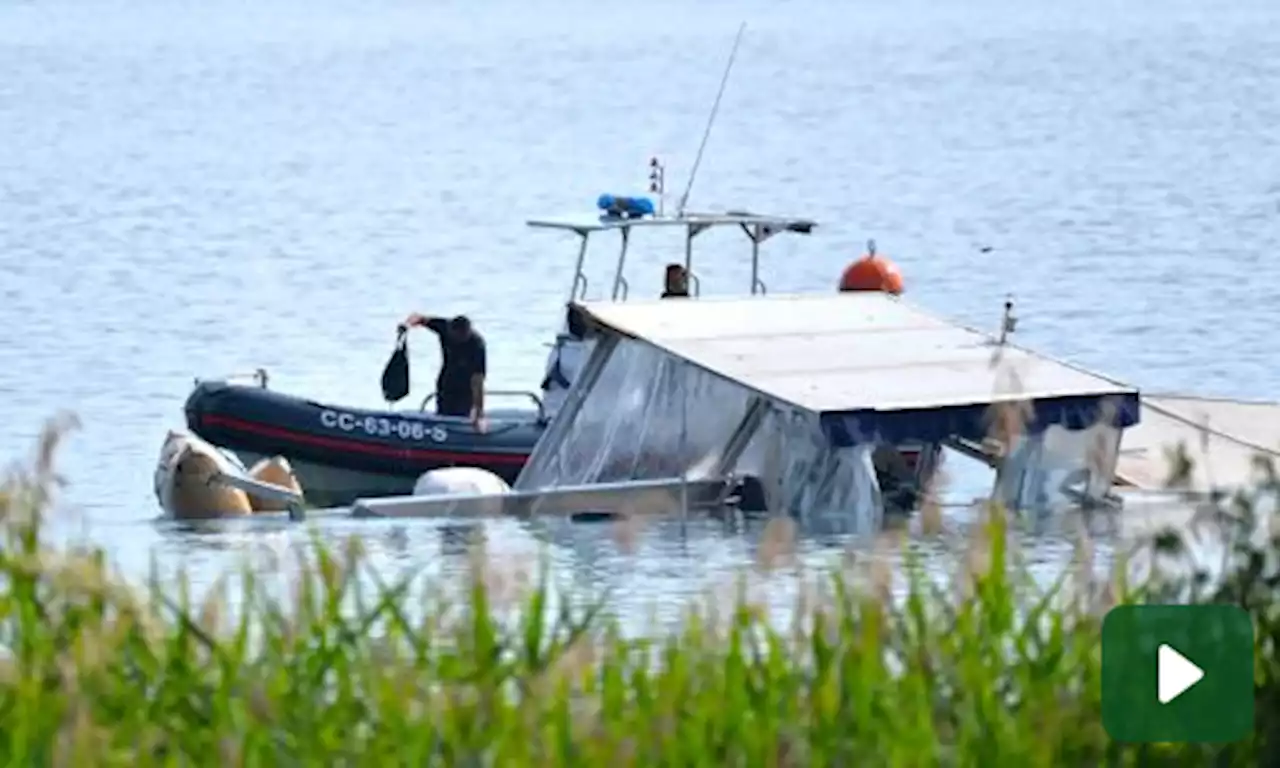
[{"x": 340, "y": 454}]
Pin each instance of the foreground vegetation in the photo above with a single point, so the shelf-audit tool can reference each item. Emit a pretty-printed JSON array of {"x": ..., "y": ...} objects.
[{"x": 991, "y": 671}]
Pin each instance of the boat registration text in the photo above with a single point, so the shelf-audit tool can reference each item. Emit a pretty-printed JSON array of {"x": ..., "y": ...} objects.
[{"x": 381, "y": 426}]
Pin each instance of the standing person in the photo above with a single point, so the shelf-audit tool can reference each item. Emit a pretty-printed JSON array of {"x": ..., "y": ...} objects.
[
  {"x": 460, "y": 385},
  {"x": 676, "y": 282}
]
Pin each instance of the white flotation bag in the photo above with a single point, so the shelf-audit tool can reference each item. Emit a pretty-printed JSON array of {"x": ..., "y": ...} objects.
[
  {"x": 459, "y": 481},
  {"x": 465, "y": 481},
  {"x": 277, "y": 471},
  {"x": 182, "y": 480}
]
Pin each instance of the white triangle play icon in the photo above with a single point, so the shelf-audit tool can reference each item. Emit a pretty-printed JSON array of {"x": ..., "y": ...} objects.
[{"x": 1174, "y": 674}]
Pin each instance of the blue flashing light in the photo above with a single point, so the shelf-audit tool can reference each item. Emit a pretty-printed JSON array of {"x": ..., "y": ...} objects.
[{"x": 619, "y": 207}]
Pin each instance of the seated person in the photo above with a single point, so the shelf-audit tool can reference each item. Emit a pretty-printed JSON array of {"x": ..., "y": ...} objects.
[{"x": 676, "y": 282}]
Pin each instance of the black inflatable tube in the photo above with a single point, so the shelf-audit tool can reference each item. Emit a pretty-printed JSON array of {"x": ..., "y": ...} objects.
[{"x": 401, "y": 443}]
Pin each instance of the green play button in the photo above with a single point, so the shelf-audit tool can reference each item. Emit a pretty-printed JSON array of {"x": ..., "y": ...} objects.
[{"x": 1177, "y": 673}]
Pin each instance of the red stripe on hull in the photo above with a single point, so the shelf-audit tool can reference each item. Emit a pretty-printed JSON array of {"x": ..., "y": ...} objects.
[{"x": 357, "y": 446}]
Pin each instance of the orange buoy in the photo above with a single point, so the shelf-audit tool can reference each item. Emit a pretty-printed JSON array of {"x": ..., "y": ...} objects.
[{"x": 872, "y": 272}]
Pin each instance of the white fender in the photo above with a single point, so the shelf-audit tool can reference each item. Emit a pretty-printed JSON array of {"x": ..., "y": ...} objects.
[
  {"x": 464, "y": 481},
  {"x": 182, "y": 480},
  {"x": 456, "y": 481}
]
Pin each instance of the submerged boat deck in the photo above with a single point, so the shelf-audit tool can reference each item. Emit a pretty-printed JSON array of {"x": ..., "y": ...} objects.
[
  {"x": 869, "y": 364},
  {"x": 873, "y": 363},
  {"x": 1222, "y": 438}
]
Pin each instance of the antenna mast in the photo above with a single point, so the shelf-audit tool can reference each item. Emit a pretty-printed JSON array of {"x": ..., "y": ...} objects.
[{"x": 715, "y": 107}]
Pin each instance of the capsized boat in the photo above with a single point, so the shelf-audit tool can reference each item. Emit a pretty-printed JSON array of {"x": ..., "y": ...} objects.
[
  {"x": 680, "y": 400},
  {"x": 904, "y": 470}
]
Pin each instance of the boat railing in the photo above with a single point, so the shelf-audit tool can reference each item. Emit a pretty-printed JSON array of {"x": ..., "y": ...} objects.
[
  {"x": 258, "y": 376},
  {"x": 537, "y": 401}
]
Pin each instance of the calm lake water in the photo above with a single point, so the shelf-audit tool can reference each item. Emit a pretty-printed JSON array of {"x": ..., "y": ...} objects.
[{"x": 194, "y": 189}]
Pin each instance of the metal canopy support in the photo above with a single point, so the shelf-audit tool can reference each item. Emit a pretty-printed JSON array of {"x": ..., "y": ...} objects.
[
  {"x": 741, "y": 438},
  {"x": 758, "y": 228},
  {"x": 578, "y": 391},
  {"x": 694, "y": 229},
  {"x": 756, "y": 282},
  {"x": 620, "y": 282},
  {"x": 757, "y": 233},
  {"x": 578, "y": 277}
]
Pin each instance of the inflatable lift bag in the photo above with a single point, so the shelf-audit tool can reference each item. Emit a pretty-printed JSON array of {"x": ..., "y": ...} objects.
[{"x": 395, "y": 377}]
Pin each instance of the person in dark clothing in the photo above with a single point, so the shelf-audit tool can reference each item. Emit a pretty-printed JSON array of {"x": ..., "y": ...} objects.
[
  {"x": 676, "y": 282},
  {"x": 460, "y": 385}
]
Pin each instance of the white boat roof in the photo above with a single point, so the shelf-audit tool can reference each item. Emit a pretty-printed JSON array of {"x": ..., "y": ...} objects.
[
  {"x": 857, "y": 354},
  {"x": 583, "y": 223}
]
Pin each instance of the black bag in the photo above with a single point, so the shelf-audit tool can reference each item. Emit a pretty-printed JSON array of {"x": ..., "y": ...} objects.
[{"x": 395, "y": 377}]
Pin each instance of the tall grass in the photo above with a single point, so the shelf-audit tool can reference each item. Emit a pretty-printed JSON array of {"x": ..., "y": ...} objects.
[{"x": 990, "y": 671}]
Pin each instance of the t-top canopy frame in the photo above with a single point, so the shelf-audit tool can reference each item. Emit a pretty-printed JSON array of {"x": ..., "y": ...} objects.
[{"x": 757, "y": 227}]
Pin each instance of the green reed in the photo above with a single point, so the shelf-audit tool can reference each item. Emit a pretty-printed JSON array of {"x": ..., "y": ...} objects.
[{"x": 990, "y": 671}]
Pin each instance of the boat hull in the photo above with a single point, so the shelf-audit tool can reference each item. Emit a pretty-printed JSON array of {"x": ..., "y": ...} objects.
[{"x": 340, "y": 454}]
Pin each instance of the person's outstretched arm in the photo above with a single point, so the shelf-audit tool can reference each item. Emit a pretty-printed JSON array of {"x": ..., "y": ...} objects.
[{"x": 431, "y": 322}]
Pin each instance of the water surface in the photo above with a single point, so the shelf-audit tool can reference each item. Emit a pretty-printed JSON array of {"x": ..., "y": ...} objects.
[{"x": 193, "y": 189}]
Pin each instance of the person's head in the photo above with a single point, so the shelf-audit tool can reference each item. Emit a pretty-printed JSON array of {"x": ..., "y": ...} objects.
[
  {"x": 677, "y": 279},
  {"x": 460, "y": 328}
]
